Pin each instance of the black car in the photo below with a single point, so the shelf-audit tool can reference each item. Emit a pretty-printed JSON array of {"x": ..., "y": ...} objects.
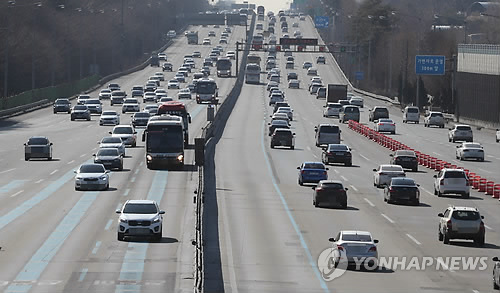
[
  {"x": 292, "y": 75},
  {"x": 80, "y": 112},
  {"x": 166, "y": 66},
  {"x": 405, "y": 159},
  {"x": 331, "y": 192},
  {"x": 283, "y": 137},
  {"x": 111, "y": 158},
  {"x": 337, "y": 153},
  {"x": 140, "y": 119},
  {"x": 62, "y": 105},
  {"x": 402, "y": 189},
  {"x": 38, "y": 147}
]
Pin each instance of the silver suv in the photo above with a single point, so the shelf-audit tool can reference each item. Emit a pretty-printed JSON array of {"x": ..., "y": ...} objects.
[
  {"x": 460, "y": 132},
  {"x": 452, "y": 181},
  {"x": 461, "y": 223}
]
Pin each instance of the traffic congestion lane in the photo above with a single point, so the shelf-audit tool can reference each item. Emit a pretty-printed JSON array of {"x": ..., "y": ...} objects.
[{"x": 40, "y": 238}]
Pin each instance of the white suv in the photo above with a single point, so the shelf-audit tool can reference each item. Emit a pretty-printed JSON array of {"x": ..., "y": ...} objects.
[
  {"x": 434, "y": 118},
  {"x": 127, "y": 133},
  {"x": 140, "y": 218},
  {"x": 460, "y": 132},
  {"x": 411, "y": 113},
  {"x": 452, "y": 181},
  {"x": 461, "y": 223}
]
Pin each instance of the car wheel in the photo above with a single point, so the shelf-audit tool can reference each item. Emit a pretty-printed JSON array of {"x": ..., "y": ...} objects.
[
  {"x": 72, "y": 119},
  {"x": 440, "y": 236},
  {"x": 88, "y": 119},
  {"x": 439, "y": 194},
  {"x": 292, "y": 147},
  {"x": 344, "y": 206},
  {"x": 300, "y": 182},
  {"x": 50, "y": 158},
  {"x": 272, "y": 146},
  {"x": 479, "y": 241},
  {"x": 121, "y": 236},
  {"x": 26, "y": 158},
  {"x": 417, "y": 122},
  {"x": 449, "y": 139},
  {"x": 495, "y": 285},
  {"x": 315, "y": 204},
  {"x": 349, "y": 164},
  {"x": 415, "y": 169},
  {"x": 385, "y": 198},
  {"x": 393, "y": 132},
  {"x": 159, "y": 236},
  {"x": 446, "y": 239},
  {"x": 466, "y": 195},
  {"x": 120, "y": 168},
  {"x": 481, "y": 160},
  {"x": 497, "y": 140},
  {"x": 416, "y": 203}
]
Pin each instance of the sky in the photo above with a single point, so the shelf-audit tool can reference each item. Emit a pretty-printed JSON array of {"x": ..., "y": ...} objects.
[{"x": 270, "y": 5}]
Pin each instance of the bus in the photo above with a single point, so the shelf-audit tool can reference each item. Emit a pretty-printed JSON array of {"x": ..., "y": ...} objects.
[
  {"x": 253, "y": 58},
  {"x": 257, "y": 42},
  {"x": 223, "y": 67},
  {"x": 164, "y": 137},
  {"x": 206, "y": 91},
  {"x": 178, "y": 109},
  {"x": 252, "y": 73}
]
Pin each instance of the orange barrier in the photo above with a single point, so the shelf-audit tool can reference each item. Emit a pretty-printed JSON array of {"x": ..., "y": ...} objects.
[
  {"x": 482, "y": 185},
  {"x": 475, "y": 181},
  {"x": 489, "y": 187},
  {"x": 496, "y": 191},
  {"x": 439, "y": 164},
  {"x": 433, "y": 163}
]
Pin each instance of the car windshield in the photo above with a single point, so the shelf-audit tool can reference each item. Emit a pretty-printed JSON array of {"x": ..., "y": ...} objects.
[
  {"x": 403, "y": 181},
  {"x": 385, "y": 120},
  {"x": 405, "y": 153},
  {"x": 337, "y": 147},
  {"x": 314, "y": 166},
  {"x": 107, "y": 152},
  {"x": 332, "y": 185},
  {"x": 454, "y": 174},
  {"x": 111, "y": 140},
  {"x": 329, "y": 129},
  {"x": 355, "y": 237},
  {"x": 93, "y": 102},
  {"x": 466, "y": 128},
  {"x": 392, "y": 168},
  {"x": 334, "y": 106},
  {"x": 92, "y": 168},
  {"x": 80, "y": 107},
  {"x": 351, "y": 110},
  {"x": 131, "y": 101},
  {"x": 123, "y": 130},
  {"x": 412, "y": 110},
  {"x": 465, "y": 215},
  {"x": 473, "y": 145},
  {"x": 142, "y": 114},
  {"x": 436, "y": 115},
  {"x": 37, "y": 141},
  {"x": 109, "y": 113},
  {"x": 136, "y": 208},
  {"x": 62, "y": 102}
]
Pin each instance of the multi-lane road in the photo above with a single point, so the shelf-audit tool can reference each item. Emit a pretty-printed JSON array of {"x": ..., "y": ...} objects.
[
  {"x": 56, "y": 239},
  {"x": 269, "y": 233}
]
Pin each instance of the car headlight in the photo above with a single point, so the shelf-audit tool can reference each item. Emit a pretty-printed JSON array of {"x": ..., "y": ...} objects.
[
  {"x": 156, "y": 220},
  {"x": 103, "y": 178},
  {"x": 123, "y": 220},
  {"x": 180, "y": 158}
]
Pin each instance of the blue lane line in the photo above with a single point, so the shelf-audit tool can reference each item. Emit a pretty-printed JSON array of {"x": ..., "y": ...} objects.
[
  {"x": 83, "y": 274},
  {"x": 41, "y": 259},
  {"x": 96, "y": 248},
  {"x": 108, "y": 225},
  {"x": 12, "y": 185},
  {"x": 290, "y": 216},
  {"x": 196, "y": 111},
  {"x": 30, "y": 203},
  {"x": 133, "y": 262}
]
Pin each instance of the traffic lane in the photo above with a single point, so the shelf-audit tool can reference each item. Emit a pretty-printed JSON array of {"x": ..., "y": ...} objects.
[
  {"x": 311, "y": 220},
  {"x": 258, "y": 253}
]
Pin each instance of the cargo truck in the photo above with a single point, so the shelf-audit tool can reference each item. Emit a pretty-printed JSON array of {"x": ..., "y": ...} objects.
[
  {"x": 336, "y": 92},
  {"x": 192, "y": 37}
]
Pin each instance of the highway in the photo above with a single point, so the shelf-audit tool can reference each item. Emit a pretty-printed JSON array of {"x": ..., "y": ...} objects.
[
  {"x": 56, "y": 239},
  {"x": 269, "y": 235}
]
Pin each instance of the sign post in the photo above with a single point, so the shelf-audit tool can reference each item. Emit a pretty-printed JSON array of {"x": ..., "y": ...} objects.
[{"x": 428, "y": 65}]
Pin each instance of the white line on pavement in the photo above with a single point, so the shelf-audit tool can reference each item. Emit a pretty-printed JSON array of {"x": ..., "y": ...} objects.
[
  {"x": 388, "y": 219},
  {"x": 364, "y": 157},
  {"x": 343, "y": 178},
  {"x": 486, "y": 171},
  {"x": 336, "y": 171},
  {"x": 71, "y": 162},
  {"x": 81, "y": 156},
  {"x": 39, "y": 181},
  {"x": 354, "y": 188},
  {"x": 17, "y": 193},
  {"x": 8, "y": 170},
  {"x": 475, "y": 291},
  {"x": 427, "y": 191},
  {"x": 54, "y": 172},
  {"x": 369, "y": 202},
  {"x": 437, "y": 154},
  {"x": 414, "y": 239},
  {"x": 488, "y": 227}
]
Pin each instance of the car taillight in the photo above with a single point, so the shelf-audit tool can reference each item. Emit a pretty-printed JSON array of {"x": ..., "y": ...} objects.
[
  {"x": 319, "y": 189},
  {"x": 339, "y": 247},
  {"x": 302, "y": 172},
  {"x": 441, "y": 182},
  {"x": 481, "y": 226},
  {"x": 393, "y": 124},
  {"x": 373, "y": 248},
  {"x": 325, "y": 173},
  {"x": 448, "y": 225},
  {"x": 392, "y": 190}
]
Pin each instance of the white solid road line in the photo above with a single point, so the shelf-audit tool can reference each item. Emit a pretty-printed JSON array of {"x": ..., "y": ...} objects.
[
  {"x": 427, "y": 191},
  {"x": 388, "y": 219},
  {"x": 39, "y": 181},
  {"x": 354, "y": 188},
  {"x": 8, "y": 170},
  {"x": 364, "y": 157},
  {"x": 81, "y": 156},
  {"x": 336, "y": 171},
  {"x": 54, "y": 172},
  {"x": 414, "y": 239},
  {"x": 17, "y": 193},
  {"x": 71, "y": 162},
  {"x": 369, "y": 202},
  {"x": 343, "y": 178}
]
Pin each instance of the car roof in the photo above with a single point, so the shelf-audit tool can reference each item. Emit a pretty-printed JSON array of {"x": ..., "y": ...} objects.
[
  {"x": 330, "y": 181},
  {"x": 140, "y": 201},
  {"x": 451, "y": 169},
  {"x": 389, "y": 165},
  {"x": 463, "y": 208},
  {"x": 355, "y": 232}
]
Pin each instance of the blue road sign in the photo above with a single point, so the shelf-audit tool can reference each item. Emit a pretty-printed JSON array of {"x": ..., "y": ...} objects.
[
  {"x": 321, "y": 21},
  {"x": 360, "y": 75},
  {"x": 430, "y": 65}
]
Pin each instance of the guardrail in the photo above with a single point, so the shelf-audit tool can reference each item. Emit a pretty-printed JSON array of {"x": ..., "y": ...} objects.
[{"x": 25, "y": 108}]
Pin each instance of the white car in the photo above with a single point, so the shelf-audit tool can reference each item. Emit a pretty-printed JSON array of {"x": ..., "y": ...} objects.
[
  {"x": 287, "y": 110},
  {"x": 271, "y": 84},
  {"x": 356, "y": 101},
  {"x": 276, "y": 98},
  {"x": 112, "y": 142},
  {"x": 350, "y": 247},
  {"x": 151, "y": 109},
  {"x": 105, "y": 94},
  {"x": 384, "y": 173},
  {"x": 289, "y": 65},
  {"x": 470, "y": 150},
  {"x": 460, "y": 132},
  {"x": 179, "y": 77},
  {"x": 434, "y": 118},
  {"x": 149, "y": 97},
  {"x": 206, "y": 41},
  {"x": 294, "y": 84},
  {"x": 91, "y": 177},
  {"x": 452, "y": 181},
  {"x": 385, "y": 125},
  {"x": 140, "y": 218},
  {"x": 332, "y": 110},
  {"x": 81, "y": 99},
  {"x": 275, "y": 77},
  {"x": 173, "y": 84},
  {"x": 184, "y": 93},
  {"x": 312, "y": 71},
  {"x": 130, "y": 105},
  {"x": 280, "y": 116},
  {"x": 163, "y": 56},
  {"x": 109, "y": 118},
  {"x": 127, "y": 133},
  {"x": 94, "y": 106},
  {"x": 160, "y": 75},
  {"x": 411, "y": 114}
]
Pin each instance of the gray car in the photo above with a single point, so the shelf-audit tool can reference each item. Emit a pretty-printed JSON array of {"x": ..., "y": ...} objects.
[
  {"x": 91, "y": 177},
  {"x": 111, "y": 158},
  {"x": 461, "y": 223},
  {"x": 112, "y": 142},
  {"x": 38, "y": 147},
  {"x": 62, "y": 105},
  {"x": 80, "y": 112}
]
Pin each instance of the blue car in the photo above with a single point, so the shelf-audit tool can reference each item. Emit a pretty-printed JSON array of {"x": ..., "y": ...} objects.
[{"x": 312, "y": 172}]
